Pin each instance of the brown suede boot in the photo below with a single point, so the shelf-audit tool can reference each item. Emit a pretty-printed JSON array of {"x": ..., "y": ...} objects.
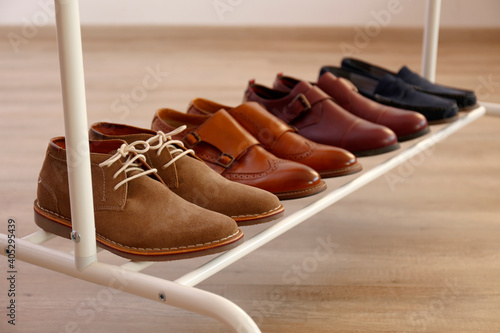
[
  {"x": 191, "y": 178},
  {"x": 136, "y": 215}
]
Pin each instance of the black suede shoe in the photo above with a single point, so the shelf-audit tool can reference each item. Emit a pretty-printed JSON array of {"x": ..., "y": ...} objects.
[
  {"x": 393, "y": 91},
  {"x": 465, "y": 99}
]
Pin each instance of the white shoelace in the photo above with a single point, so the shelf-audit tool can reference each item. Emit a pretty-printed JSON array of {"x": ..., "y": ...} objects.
[
  {"x": 130, "y": 164},
  {"x": 164, "y": 140}
]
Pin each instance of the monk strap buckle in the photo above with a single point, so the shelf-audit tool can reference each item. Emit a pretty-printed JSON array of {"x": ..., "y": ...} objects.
[{"x": 225, "y": 160}]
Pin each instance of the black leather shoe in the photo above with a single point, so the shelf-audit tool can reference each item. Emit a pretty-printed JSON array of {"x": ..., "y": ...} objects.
[
  {"x": 393, "y": 91},
  {"x": 465, "y": 99}
]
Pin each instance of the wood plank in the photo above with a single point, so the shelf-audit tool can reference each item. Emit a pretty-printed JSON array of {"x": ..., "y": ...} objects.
[{"x": 421, "y": 255}]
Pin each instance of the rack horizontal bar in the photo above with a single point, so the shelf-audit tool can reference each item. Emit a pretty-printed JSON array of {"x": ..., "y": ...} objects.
[{"x": 205, "y": 271}]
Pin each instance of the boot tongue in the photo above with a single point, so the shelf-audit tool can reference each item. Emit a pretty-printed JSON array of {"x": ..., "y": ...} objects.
[
  {"x": 105, "y": 130},
  {"x": 111, "y": 131},
  {"x": 146, "y": 167},
  {"x": 105, "y": 146},
  {"x": 110, "y": 147}
]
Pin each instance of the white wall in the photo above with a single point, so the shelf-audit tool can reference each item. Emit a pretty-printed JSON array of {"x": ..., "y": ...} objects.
[{"x": 399, "y": 13}]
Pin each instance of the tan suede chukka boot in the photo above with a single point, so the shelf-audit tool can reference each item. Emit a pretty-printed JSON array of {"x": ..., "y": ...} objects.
[
  {"x": 136, "y": 215},
  {"x": 192, "y": 179}
]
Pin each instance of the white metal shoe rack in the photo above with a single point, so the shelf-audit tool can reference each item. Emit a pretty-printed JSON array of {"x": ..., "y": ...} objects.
[{"x": 180, "y": 293}]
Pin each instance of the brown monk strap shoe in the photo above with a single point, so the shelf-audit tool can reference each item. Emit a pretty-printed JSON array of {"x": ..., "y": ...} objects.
[
  {"x": 405, "y": 123},
  {"x": 282, "y": 140},
  {"x": 319, "y": 119},
  {"x": 235, "y": 154},
  {"x": 191, "y": 179},
  {"x": 136, "y": 215}
]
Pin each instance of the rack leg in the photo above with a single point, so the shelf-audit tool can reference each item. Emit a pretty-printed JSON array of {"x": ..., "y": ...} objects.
[
  {"x": 431, "y": 36},
  {"x": 75, "y": 122},
  {"x": 139, "y": 284}
]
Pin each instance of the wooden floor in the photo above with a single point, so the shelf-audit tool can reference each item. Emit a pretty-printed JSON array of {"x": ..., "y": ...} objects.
[{"x": 418, "y": 255}]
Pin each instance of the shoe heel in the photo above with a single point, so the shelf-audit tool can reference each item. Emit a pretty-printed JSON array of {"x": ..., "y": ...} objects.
[{"x": 52, "y": 226}]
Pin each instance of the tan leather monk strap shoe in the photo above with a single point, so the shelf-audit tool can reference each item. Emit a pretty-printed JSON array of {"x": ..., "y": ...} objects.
[
  {"x": 282, "y": 140},
  {"x": 234, "y": 153}
]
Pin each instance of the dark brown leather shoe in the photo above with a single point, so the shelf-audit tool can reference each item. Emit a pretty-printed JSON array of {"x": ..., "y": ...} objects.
[
  {"x": 282, "y": 140},
  {"x": 191, "y": 179},
  {"x": 405, "y": 123},
  {"x": 235, "y": 154},
  {"x": 319, "y": 119},
  {"x": 136, "y": 215}
]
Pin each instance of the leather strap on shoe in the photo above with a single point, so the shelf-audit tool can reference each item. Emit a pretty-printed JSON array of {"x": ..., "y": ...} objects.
[
  {"x": 261, "y": 124},
  {"x": 302, "y": 103},
  {"x": 224, "y": 133}
]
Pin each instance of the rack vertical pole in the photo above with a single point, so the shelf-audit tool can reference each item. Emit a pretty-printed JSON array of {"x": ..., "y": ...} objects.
[
  {"x": 431, "y": 36},
  {"x": 75, "y": 122}
]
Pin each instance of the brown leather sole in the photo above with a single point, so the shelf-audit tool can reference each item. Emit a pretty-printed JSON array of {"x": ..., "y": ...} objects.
[
  {"x": 341, "y": 172},
  {"x": 62, "y": 227},
  {"x": 265, "y": 217},
  {"x": 301, "y": 193}
]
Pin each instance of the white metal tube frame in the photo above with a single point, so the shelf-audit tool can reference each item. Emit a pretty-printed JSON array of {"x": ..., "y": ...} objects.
[
  {"x": 153, "y": 288},
  {"x": 293, "y": 220},
  {"x": 83, "y": 264},
  {"x": 431, "y": 37},
  {"x": 430, "y": 49},
  {"x": 81, "y": 199},
  {"x": 77, "y": 140},
  {"x": 492, "y": 109}
]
